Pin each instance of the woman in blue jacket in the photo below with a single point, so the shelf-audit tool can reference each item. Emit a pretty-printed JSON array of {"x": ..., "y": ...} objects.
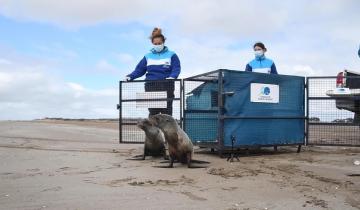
[
  {"x": 261, "y": 64},
  {"x": 159, "y": 64}
]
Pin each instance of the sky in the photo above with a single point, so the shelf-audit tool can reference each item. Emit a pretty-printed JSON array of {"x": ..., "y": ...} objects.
[{"x": 65, "y": 59}]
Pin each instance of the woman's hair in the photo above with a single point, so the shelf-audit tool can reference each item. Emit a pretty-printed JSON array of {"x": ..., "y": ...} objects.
[
  {"x": 260, "y": 44},
  {"x": 156, "y": 33}
]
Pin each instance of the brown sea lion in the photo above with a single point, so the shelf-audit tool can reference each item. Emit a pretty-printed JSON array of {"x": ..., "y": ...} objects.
[
  {"x": 154, "y": 144},
  {"x": 179, "y": 144}
]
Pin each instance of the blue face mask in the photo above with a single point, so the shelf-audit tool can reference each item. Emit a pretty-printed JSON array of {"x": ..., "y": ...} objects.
[
  {"x": 158, "y": 48},
  {"x": 259, "y": 53}
]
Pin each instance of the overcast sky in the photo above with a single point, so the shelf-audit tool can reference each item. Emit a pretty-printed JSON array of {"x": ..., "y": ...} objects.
[{"x": 65, "y": 59}]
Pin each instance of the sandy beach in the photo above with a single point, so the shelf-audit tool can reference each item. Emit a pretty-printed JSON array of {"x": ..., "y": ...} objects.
[{"x": 55, "y": 164}]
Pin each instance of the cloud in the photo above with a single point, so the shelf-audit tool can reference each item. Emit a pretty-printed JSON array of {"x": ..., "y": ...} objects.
[
  {"x": 196, "y": 58},
  {"x": 77, "y": 13},
  {"x": 321, "y": 39},
  {"x": 76, "y": 87},
  {"x": 302, "y": 70},
  {"x": 5, "y": 79},
  {"x": 235, "y": 18},
  {"x": 59, "y": 50},
  {"x": 104, "y": 66},
  {"x": 28, "y": 92},
  {"x": 125, "y": 58},
  {"x": 219, "y": 15},
  {"x": 4, "y": 61},
  {"x": 297, "y": 34}
]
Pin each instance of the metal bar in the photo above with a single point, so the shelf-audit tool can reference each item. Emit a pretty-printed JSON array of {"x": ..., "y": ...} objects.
[
  {"x": 203, "y": 118},
  {"x": 201, "y": 111},
  {"x": 181, "y": 103},
  {"x": 204, "y": 74},
  {"x": 152, "y": 99},
  {"x": 263, "y": 117},
  {"x": 303, "y": 102},
  {"x": 228, "y": 148},
  {"x": 184, "y": 103},
  {"x": 206, "y": 143},
  {"x": 320, "y": 98},
  {"x": 334, "y": 124},
  {"x": 346, "y": 145},
  {"x": 132, "y": 142},
  {"x": 332, "y": 77},
  {"x": 129, "y": 123},
  {"x": 120, "y": 111},
  {"x": 326, "y": 77},
  {"x": 132, "y": 81},
  {"x": 203, "y": 80},
  {"x": 220, "y": 109},
  {"x": 307, "y": 111}
]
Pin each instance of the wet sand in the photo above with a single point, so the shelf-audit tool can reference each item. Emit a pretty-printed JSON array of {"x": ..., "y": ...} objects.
[{"x": 58, "y": 164}]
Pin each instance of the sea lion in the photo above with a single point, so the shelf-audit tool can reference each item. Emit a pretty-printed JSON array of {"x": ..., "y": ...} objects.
[
  {"x": 179, "y": 144},
  {"x": 154, "y": 144}
]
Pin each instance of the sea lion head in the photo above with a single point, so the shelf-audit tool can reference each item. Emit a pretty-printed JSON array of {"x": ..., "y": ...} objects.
[
  {"x": 143, "y": 124},
  {"x": 163, "y": 120}
]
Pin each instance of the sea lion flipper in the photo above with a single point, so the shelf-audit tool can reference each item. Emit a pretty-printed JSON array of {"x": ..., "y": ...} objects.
[
  {"x": 194, "y": 166},
  {"x": 188, "y": 158},
  {"x": 135, "y": 158},
  {"x": 168, "y": 161},
  {"x": 144, "y": 155},
  {"x": 200, "y": 161},
  {"x": 163, "y": 166},
  {"x": 171, "y": 161}
]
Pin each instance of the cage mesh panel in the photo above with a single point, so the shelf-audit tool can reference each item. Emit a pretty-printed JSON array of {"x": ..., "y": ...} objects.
[
  {"x": 319, "y": 86},
  {"x": 138, "y": 108},
  {"x": 328, "y": 123},
  {"x": 201, "y": 110}
]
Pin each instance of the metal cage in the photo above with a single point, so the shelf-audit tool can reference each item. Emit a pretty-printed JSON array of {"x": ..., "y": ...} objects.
[
  {"x": 216, "y": 110},
  {"x": 219, "y": 113}
]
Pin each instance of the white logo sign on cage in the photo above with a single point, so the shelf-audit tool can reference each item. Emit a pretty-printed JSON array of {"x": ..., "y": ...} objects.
[{"x": 264, "y": 93}]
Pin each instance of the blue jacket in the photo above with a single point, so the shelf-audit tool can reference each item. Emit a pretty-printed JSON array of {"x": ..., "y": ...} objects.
[
  {"x": 261, "y": 65},
  {"x": 157, "y": 66}
]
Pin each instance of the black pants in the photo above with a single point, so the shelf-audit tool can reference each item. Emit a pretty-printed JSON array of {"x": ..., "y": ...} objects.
[{"x": 167, "y": 86}]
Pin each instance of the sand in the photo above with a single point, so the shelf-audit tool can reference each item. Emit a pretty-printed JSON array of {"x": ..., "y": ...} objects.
[{"x": 50, "y": 164}]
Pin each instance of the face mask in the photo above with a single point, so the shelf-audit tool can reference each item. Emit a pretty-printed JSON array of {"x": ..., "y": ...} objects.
[
  {"x": 158, "y": 48},
  {"x": 259, "y": 53}
]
